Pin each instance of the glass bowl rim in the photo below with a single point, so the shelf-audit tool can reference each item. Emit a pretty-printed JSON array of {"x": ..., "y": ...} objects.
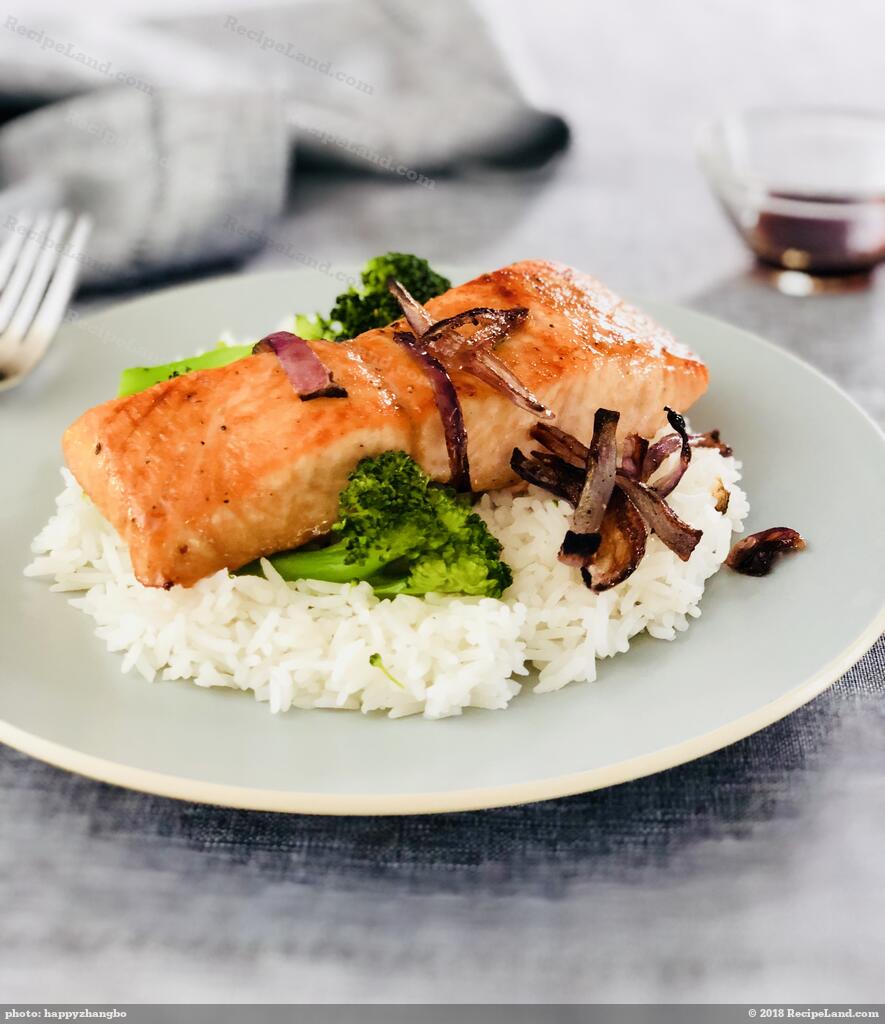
[{"x": 727, "y": 182}]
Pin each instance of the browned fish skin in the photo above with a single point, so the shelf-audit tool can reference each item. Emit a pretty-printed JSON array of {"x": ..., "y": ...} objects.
[{"x": 211, "y": 469}]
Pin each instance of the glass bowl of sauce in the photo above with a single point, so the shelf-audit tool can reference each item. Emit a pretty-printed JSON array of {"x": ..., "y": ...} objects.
[{"x": 805, "y": 188}]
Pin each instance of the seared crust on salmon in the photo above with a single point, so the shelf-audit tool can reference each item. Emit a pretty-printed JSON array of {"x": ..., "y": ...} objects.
[{"x": 214, "y": 468}]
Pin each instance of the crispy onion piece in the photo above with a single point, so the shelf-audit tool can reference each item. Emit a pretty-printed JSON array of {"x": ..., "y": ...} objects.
[
  {"x": 578, "y": 549},
  {"x": 610, "y": 553},
  {"x": 710, "y": 440},
  {"x": 667, "y": 483},
  {"x": 679, "y": 537},
  {"x": 550, "y": 474},
  {"x": 670, "y": 443},
  {"x": 582, "y": 540},
  {"x": 472, "y": 354},
  {"x": 621, "y": 545},
  {"x": 755, "y": 555},
  {"x": 505, "y": 320},
  {"x": 633, "y": 453},
  {"x": 500, "y": 324},
  {"x": 449, "y": 407},
  {"x": 560, "y": 443},
  {"x": 571, "y": 475},
  {"x": 416, "y": 315},
  {"x": 307, "y": 375},
  {"x": 601, "y": 466},
  {"x": 487, "y": 367},
  {"x": 656, "y": 454}
]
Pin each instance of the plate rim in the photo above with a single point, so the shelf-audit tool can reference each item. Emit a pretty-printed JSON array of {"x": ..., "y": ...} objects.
[
  {"x": 447, "y": 801},
  {"x": 176, "y": 787}
]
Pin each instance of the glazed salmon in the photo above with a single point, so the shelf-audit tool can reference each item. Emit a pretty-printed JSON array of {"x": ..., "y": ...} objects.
[{"x": 213, "y": 468}]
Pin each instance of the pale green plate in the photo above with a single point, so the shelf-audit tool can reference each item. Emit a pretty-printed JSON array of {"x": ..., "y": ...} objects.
[{"x": 812, "y": 460}]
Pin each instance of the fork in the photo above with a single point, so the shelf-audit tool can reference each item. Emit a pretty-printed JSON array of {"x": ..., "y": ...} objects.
[{"x": 39, "y": 265}]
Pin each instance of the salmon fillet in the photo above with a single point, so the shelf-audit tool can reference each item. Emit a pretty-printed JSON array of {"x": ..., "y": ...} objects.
[{"x": 214, "y": 468}]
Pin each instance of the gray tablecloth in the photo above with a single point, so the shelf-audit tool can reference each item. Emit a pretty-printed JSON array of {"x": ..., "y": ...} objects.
[{"x": 754, "y": 874}]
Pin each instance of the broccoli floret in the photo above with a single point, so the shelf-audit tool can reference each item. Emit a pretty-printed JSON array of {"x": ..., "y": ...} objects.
[
  {"x": 404, "y": 535},
  {"x": 371, "y": 305}
]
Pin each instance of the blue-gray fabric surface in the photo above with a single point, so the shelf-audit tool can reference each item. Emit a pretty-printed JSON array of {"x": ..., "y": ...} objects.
[
  {"x": 749, "y": 864},
  {"x": 756, "y": 873}
]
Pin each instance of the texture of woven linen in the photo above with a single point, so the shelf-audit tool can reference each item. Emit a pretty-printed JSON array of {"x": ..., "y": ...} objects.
[{"x": 744, "y": 864}]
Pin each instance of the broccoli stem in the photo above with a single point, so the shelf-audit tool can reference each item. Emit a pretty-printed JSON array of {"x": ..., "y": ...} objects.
[
  {"x": 327, "y": 564},
  {"x": 376, "y": 662},
  {"x": 138, "y": 378},
  {"x": 389, "y": 586}
]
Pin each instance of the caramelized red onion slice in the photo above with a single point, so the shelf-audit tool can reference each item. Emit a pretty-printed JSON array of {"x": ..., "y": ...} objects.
[
  {"x": 610, "y": 553},
  {"x": 473, "y": 355},
  {"x": 550, "y": 476},
  {"x": 306, "y": 373},
  {"x": 497, "y": 329},
  {"x": 601, "y": 466},
  {"x": 449, "y": 407},
  {"x": 582, "y": 540},
  {"x": 755, "y": 555},
  {"x": 667, "y": 483},
  {"x": 657, "y": 453},
  {"x": 670, "y": 443},
  {"x": 487, "y": 367},
  {"x": 621, "y": 545},
  {"x": 571, "y": 477},
  {"x": 416, "y": 315},
  {"x": 679, "y": 537},
  {"x": 710, "y": 440},
  {"x": 504, "y": 320},
  {"x": 578, "y": 549},
  {"x": 560, "y": 443},
  {"x": 633, "y": 453}
]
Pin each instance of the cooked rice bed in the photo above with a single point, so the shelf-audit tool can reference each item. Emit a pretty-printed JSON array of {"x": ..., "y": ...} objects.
[{"x": 308, "y": 644}]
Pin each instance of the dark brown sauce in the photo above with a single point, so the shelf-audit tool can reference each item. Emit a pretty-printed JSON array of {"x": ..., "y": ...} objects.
[{"x": 817, "y": 244}]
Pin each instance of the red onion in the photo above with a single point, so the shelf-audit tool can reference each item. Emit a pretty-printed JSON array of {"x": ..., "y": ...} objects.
[
  {"x": 755, "y": 555},
  {"x": 550, "y": 474},
  {"x": 505, "y": 319},
  {"x": 449, "y": 406},
  {"x": 416, "y": 315},
  {"x": 487, "y": 367},
  {"x": 614, "y": 509},
  {"x": 472, "y": 354},
  {"x": 657, "y": 452},
  {"x": 601, "y": 466},
  {"x": 622, "y": 538},
  {"x": 633, "y": 452},
  {"x": 560, "y": 443},
  {"x": 679, "y": 537},
  {"x": 665, "y": 485},
  {"x": 307, "y": 375}
]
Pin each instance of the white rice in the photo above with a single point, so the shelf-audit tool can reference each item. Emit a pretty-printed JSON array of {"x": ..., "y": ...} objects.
[{"x": 308, "y": 644}]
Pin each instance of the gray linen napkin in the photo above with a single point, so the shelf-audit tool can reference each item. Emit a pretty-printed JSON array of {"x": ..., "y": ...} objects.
[{"x": 178, "y": 135}]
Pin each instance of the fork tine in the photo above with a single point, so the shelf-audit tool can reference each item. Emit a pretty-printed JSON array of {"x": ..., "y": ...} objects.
[
  {"x": 13, "y": 244},
  {"x": 22, "y": 272},
  {"x": 36, "y": 286},
  {"x": 52, "y": 309}
]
